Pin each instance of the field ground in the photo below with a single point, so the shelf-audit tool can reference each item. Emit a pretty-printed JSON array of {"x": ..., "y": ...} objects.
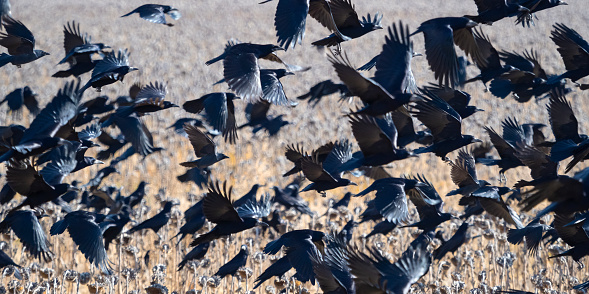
[{"x": 176, "y": 56}]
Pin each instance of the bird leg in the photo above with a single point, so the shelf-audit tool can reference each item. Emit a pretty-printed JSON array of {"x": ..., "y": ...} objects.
[{"x": 338, "y": 49}]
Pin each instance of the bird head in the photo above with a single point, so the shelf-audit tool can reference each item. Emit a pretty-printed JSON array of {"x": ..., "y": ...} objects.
[{"x": 174, "y": 13}]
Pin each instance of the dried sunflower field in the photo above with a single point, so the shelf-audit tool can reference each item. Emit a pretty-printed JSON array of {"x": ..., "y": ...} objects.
[{"x": 176, "y": 56}]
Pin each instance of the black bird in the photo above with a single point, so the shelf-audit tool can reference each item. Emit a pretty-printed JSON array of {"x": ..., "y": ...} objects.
[
  {"x": 526, "y": 79},
  {"x": 195, "y": 220},
  {"x": 199, "y": 177},
  {"x": 87, "y": 235},
  {"x": 513, "y": 134},
  {"x": 457, "y": 99},
  {"x": 429, "y": 206},
  {"x": 377, "y": 99},
  {"x": 250, "y": 196},
  {"x": 347, "y": 232},
  {"x": 204, "y": 147},
  {"x": 231, "y": 267},
  {"x": 135, "y": 132},
  {"x": 178, "y": 125},
  {"x": 347, "y": 24},
  {"x": 379, "y": 275},
  {"x": 291, "y": 18},
  {"x": 156, "y": 13},
  {"x": 44, "y": 186},
  {"x": 296, "y": 153},
  {"x": 118, "y": 222},
  {"x": 40, "y": 136},
  {"x": 377, "y": 138},
  {"x": 299, "y": 245},
  {"x": 327, "y": 175},
  {"x": 218, "y": 208},
  {"x": 332, "y": 271},
  {"x": 219, "y": 110},
  {"x": 148, "y": 100},
  {"x": 490, "y": 11},
  {"x": 258, "y": 118},
  {"x": 112, "y": 68},
  {"x": 440, "y": 36},
  {"x": 22, "y": 97},
  {"x": 156, "y": 222},
  {"x": 527, "y": 17},
  {"x": 241, "y": 70},
  {"x": 78, "y": 51},
  {"x": 452, "y": 244},
  {"x": 464, "y": 175},
  {"x": 490, "y": 61},
  {"x": 197, "y": 252},
  {"x": 322, "y": 89},
  {"x": 100, "y": 176},
  {"x": 390, "y": 198},
  {"x": 289, "y": 197},
  {"x": 384, "y": 227},
  {"x": 574, "y": 233},
  {"x": 445, "y": 125},
  {"x": 406, "y": 129},
  {"x": 531, "y": 233},
  {"x": 5, "y": 260},
  {"x": 25, "y": 225},
  {"x": 20, "y": 43},
  {"x": 113, "y": 144},
  {"x": 574, "y": 51}
]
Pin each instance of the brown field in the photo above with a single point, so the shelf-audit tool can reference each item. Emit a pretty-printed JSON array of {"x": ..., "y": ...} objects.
[{"x": 176, "y": 56}]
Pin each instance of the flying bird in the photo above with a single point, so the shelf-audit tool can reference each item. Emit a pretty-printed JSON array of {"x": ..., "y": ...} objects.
[
  {"x": 20, "y": 43},
  {"x": 156, "y": 13}
]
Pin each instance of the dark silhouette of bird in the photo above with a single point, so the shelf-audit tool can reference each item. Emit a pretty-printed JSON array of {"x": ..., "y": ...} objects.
[
  {"x": 526, "y": 17},
  {"x": 347, "y": 24},
  {"x": 390, "y": 198},
  {"x": 429, "y": 206},
  {"x": 118, "y": 222},
  {"x": 20, "y": 43},
  {"x": 250, "y": 196},
  {"x": 457, "y": 99},
  {"x": 299, "y": 245},
  {"x": 5, "y": 260},
  {"x": 156, "y": 13},
  {"x": 452, "y": 244},
  {"x": 384, "y": 227},
  {"x": 407, "y": 133},
  {"x": 291, "y": 18},
  {"x": 296, "y": 153},
  {"x": 322, "y": 89},
  {"x": 289, "y": 197},
  {"x": 218, "y": 208},
  {"x": 100, "y": 176},
  {"x": 574, "y": 233},
  {"x": 25, "y": 225},
  {"x": 219, "y": 112},
  {"x": 440, "y": 36},
  {"x": 22, "y": 97},
  {"x": 532, "y": 233},
  {"x": 231, "y": 267},
  {"x": 490, "y": 11},
  {"x": 204, "y": 148},
  {"x": 327, "y": 175},
  {"x": 574, "y": 51},
  {"x": 134, "y": 131},
  {"x": 156, "y": 222},
  {"x": 379, "y": 275},
  {"x": 199, "y": 177},
  {"x": 258, "y": 119},
  {"x": 490, "y": 61},
  {"x": 40, "y": 136},
  {"x": 241, "y": 70},
  {"x": 87, "y": 235},
  {"x": 178, "y": 125},
  {"x": 526, "y": 79},
  {"x": 377, "y": 99},
  {"x": 78, "y": 51},
  {"x": 332, "y": 271},
  {"x": 377, "y": 138},
  {"x": 197, "y": 252},
  {"x": 195, "y": 220},
  {"x": 513, "y": 134},
  {"x": 109, "y": 70},
  {"x": 347, "y": 232},
  {"x": 43, "y": 186},
  {"x": 148, "y": 100},
  {"x": 444, "y": 123}
]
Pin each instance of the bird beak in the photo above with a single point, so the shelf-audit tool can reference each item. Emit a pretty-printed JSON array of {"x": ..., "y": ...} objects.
[
  {"x": 99, "y": 162},
  {"x": 563, "y": 3},
  {"x": 417, "y": 54},
  {"x": 133, "y": 68},
  {"x": 478, "y": 109},
  {"x": 72, "y": 188},
  {"x": 288, "y": 73},
  {"x": 353, "y": 184},
  {"x": 262, "y": 224},
  {"x": 477, "y": 141},
  {"x": 471, "y": 24}
]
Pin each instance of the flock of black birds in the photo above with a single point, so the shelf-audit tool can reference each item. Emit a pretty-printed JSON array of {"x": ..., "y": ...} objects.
[{"x": 39, "y": 158}]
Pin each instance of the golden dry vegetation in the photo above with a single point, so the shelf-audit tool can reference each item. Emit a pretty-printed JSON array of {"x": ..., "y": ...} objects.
[{"x": 176, "y": 56}]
